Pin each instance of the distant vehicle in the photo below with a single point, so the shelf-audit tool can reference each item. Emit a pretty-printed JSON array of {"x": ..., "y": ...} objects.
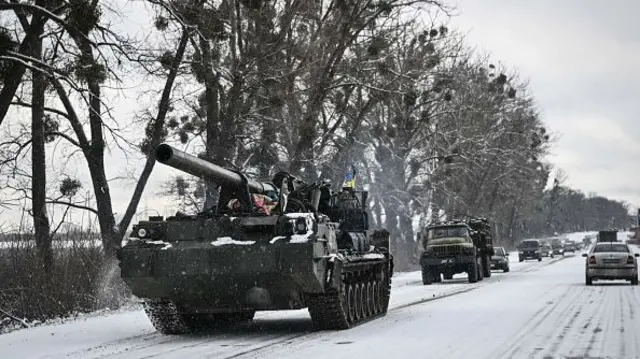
[
  {"x": 571, "y": 246},
  {"x": 611, "y": 261},
  {"x": 456, "y": 246},
  {"x": 547, "y": 250},
  {"x": 500, "y": 259},
  {"x": 607, "y": 236},
  {"x": 530, "y": 249},
  {"x": 558, "y": 245}
]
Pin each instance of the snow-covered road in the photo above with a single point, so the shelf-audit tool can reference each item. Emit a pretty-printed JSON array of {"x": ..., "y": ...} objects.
[{"x": 538, "y": 310}]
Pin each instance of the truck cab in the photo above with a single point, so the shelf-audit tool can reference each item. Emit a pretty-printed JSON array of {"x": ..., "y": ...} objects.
[{"x": 456, "y": 247}]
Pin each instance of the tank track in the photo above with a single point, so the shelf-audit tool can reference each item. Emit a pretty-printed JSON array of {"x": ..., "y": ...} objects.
[
  {"x": 166, "y": 318},
  {"x": 363, "y": 296}
]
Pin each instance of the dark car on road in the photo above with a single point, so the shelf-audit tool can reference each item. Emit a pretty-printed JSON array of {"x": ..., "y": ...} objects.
[
  {"x": 558, "y": 245},
  {"x": 500, "y": 259},
  {"x": 530, "y": 249},
  {"x": 572, "y": 246},
  {"x": 547, "y": 250}
]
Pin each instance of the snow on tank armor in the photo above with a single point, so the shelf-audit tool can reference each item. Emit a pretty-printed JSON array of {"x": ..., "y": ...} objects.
[{"x": 245, "y": 255}]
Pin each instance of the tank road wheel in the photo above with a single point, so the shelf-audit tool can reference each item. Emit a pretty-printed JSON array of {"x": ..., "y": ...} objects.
[
  {"x": 370, "y": 310},
  {"x": 164, "y": 317},
  {"x": 358, "y": 302},
  {"x": 377, "y": 302},
  {"x": 385, "y": 289},
  {"x": 486, "y": 266},
  {"x": 364, "y": 295},
  {"x": 374, "y": 298},
  {"x": 351, "y": 295}
]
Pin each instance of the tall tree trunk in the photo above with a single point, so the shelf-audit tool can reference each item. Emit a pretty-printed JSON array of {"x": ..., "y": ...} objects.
[
  {"x": 38, "y": 164},
  {"x": 158, "y": 127},
  {"x": 213, "y": 118},
  {"x": 13, "y": 76},
  {"x": 407, "y": 235}
]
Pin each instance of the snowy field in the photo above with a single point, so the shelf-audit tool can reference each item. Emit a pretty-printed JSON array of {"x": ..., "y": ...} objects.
[{"x": 538, "y": 310}]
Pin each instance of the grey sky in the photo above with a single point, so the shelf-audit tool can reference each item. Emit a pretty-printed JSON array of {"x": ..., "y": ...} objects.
[{"x": 581, "y": 58}]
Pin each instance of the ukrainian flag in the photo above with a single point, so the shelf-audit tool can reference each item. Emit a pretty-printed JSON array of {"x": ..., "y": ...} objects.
[{"x": 350, "y": 179}]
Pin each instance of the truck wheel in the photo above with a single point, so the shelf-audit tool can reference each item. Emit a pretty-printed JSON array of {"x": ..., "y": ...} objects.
[
  {"x": 506, "y": 268},
  {"x": 486, "y": 266},
  {"x": 634, "y": 280},
  {"x": 447, "y": 276},
  {"x": 540, "y": 259},
  {"x": 472, "y": 273},
  {"x": 588, "y": 280},
  {"x": 480, "y": 271},
  {"x": 520, "y": 259},
  {"x": 427, "y": 278}
]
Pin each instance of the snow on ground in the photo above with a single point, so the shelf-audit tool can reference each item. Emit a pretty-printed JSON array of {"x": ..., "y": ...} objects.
[
  {"x": 538, "y": 310},
  {"x": 578, "y": 236}
]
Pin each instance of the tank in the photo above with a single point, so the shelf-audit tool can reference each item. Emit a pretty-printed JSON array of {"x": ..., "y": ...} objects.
[{"x": 265, "y": 246}]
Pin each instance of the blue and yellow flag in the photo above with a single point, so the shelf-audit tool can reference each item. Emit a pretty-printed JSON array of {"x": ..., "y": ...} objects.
[{"x": 350, "y": 179}]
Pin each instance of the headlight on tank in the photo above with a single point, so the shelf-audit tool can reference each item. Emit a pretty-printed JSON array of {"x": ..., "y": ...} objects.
[{"x": 142, "y": 233}]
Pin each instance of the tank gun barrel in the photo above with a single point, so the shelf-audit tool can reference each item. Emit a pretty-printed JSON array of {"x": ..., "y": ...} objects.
[{"x": 195, "y": 166}]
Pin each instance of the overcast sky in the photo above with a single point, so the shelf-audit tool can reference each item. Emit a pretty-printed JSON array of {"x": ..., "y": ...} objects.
[{"x": 582, "y": 60}]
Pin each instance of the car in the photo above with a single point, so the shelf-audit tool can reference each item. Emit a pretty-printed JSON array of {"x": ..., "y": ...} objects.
[
  {"x": 530, "y": 249},
  {"x": 558, "y": 245},
  {"x": 547, "y": 251},
  {"x": 611, "y": 261},
  {"x": 570, "y": 246},
  {"x": 500, "y": 259}
]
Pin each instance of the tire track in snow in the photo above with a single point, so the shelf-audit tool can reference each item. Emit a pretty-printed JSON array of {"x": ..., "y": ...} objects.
[
  {"x": 584, "y": 322},
  {"x": 538, "y": 319},
  {"x": 563, "y": 324},
  {"x": 633, "y": 298},
  {"x": 597, "y": 328}
]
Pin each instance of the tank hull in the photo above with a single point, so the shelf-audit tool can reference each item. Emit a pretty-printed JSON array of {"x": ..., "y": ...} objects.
[{"x": 226, "y": 278}]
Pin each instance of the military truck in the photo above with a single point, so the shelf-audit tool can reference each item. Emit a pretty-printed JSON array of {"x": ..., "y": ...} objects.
[
  {"x": 607, "y": 236},
  {"x": 456, "y": 246},
  {"x": 274, "y": 245}
]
